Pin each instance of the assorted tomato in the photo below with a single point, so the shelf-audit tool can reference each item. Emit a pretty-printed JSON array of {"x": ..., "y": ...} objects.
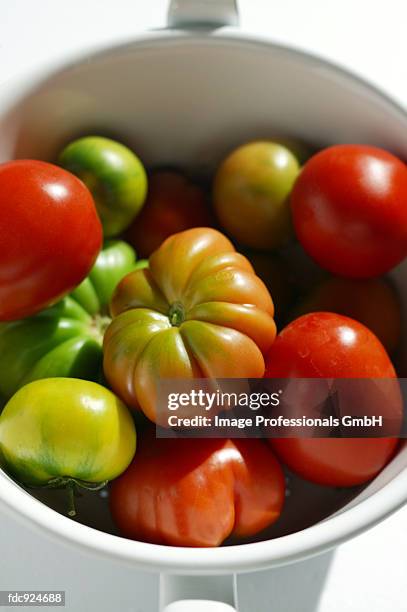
[
  {"x": 204, "y": 491},
  {"x": 65, "y": 339},
  {"x": 328, "y": 345},
  {"x": 207, "y": 316},
  {"x": 349, "y": 210},
  {"x": 78, "y": 309},
  {"x": 174, "y": 203},
  {"x": 66, "y": 432},
  {"x": 251, "y": 194},
  {"x": 115, "y": 176},
  {"x": 373, "y": 302},
  {"x": 50, "y": 236}
]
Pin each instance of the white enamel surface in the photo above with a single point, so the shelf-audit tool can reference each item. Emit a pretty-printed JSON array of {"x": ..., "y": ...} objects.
[
  {"x": 201, "y": 592},
  {"x": 187, "y": 99}
]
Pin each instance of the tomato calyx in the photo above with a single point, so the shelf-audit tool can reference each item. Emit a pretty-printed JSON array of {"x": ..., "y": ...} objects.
[
  {"x": 72, "y": 486},
  {"x": 176, "y": 314}
]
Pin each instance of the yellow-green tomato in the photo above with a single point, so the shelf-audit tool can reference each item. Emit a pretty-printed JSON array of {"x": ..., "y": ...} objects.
[
  {"x": 251, "y": 193},
  {"x": 114, "y": 175},
  {"x": 66, "y": 430}
]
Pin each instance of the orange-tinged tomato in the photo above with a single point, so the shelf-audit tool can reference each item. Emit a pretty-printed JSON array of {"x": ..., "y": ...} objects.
[
  {"x": 198, "y": 492},
  {"x": 198, "y": 311},
  {"x": 173, "y": 204}
]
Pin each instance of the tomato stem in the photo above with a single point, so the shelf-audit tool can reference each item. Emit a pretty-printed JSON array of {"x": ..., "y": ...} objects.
[
  {"x": 70, "y": 488},
  {"x": 176, "y": 314}
]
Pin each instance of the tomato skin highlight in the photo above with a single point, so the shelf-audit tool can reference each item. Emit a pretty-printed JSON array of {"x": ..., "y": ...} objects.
[
  {"x": 65, "y": 340},
  {"x": 173, "y": 204},
  {"x": 198, "y": 311},
  {"x": 197, "y": 492},
  {"x": 50, "y": 236},
  {"x": 327, "y": 345},
  {"x": 349, "y": 210}
]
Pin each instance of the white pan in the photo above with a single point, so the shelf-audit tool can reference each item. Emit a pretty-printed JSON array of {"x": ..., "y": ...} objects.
[{"x": 185, "y": 95}]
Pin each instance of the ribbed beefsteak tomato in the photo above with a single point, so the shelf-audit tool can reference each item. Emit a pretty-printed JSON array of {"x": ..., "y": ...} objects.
[
  {"x": 198, "y": 311},
  {"x": 198, "y": 492}
]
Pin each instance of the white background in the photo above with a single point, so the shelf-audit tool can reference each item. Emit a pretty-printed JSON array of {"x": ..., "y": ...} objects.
[{"x": 370, "y": 36}]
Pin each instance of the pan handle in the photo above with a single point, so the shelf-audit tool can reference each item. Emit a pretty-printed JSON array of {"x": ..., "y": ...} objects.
[
  {"x": 202, "y": 13},
  {"x": 198, "y": 593}
]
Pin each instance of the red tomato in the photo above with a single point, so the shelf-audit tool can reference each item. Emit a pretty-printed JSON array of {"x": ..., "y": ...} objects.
[
  {"x": 364, "y": 300},
  {"x": 197, "y": 492},
  {"x": 350, "y": 212},
  {"x": 327, "y": 345},
  {"x": 173, "y": 204},
  {"x": 50, "y": 235}
]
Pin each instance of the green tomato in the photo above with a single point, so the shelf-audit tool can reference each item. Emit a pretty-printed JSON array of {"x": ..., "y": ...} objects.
[
  {"x": 114, "y": 175},
  {"x": 115, "y": 260},
  {"x": 63, "y": 432},
  {"x": 66, "y": 339},
  {"x": 251, "y": 194}
]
